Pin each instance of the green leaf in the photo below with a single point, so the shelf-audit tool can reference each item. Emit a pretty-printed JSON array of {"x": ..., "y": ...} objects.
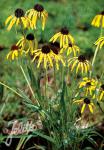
[
  {"x": 91, "y": 140},
  {"x": 30, "y": 105},
  {"x": 48, "y": 138},
  {"x": 35, "y": 83},
  {"x": 1, "y": 91},
  {"x": 88, "y": 148},
  {"x": 62, "y": 101}
]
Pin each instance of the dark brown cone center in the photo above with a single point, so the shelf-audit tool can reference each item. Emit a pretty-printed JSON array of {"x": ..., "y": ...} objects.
[
  {"x": 102, "y": 87},
  {"x": 30, "y": 37},
  {"x": 82, "y": 58},
  {"x": 102, "y": 13},
  {"x": 19, "y": 13},
  {"x": 14, "y": 47},
  {"x": 45, "y": 49},
  {"x": 38, "y": 7},
  {"x": 87, "y": 101},
  {"x": 64, "y": 31},
  {"x": 88, "y": 84},
  {"x": 55, "y": 47},
  {"x": 70, "y": 45}
]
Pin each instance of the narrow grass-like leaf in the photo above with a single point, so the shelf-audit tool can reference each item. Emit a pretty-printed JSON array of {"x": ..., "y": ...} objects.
[
  {"x": 1, "y": 91},
  {"x": 35, "y": 83},
  {"x": 48, "y": 138}
]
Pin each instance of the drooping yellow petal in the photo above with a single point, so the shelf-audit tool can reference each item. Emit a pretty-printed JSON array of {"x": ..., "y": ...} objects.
[
  {"x": 61, "y": 41},
  {"x": 30, "y": 13},
  {"x": 34, "y": 20},
  {"x": 98, "y": 21},
  {"x": 101, "y": 95},
  {"x": 78, "y": 101},
  {"x": 11, "y": 24},
  {"x": 94, "y": 20},
  {"x": 82, "y": 67},
  {"x": 8, "y": 19},
  {"x": 78, "y": 67},
  {"x": 45, "y": 61},
  {"x": 86, "y": 69},
  {"x": 36, "y": 55},
  {"x": 55, "y": 37},
  {"x": 40, "y": 60},
  {"x": 8, "y": 55},
  {"x": 101, "y": 45},
  {"x": 13, "y": 55},
  {"x": 71, "y": 39},
  {"x": 16, "y": 53},
  {"x": 90, "y": 108},
  {"x": 50, "y": 60},
  {"x": 74, "y": 64},
  {"x": 17, "y": 22},
  {"x": 83, "y": 108}
]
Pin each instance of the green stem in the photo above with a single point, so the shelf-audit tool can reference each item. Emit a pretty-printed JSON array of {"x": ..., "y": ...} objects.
[
  {"x": 28, "y": 84},
  {"x": 96, "y": 52},
  {"x": 46, "y": 82},
  {"x": 10, "y": 89},
  {"x": 55, "y": 78},
  {"x": 62, "y": 75}
]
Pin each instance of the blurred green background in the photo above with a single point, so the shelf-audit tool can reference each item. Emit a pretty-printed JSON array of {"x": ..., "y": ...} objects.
[{"x": 75, "y": 14}]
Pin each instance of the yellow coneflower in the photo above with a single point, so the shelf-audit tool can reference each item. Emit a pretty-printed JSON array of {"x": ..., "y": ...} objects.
[
  {"x": 100, "y": 42},
  {"x": 46, "y": 56},
  {"x": 63, "y": 36},
  {"x": 101, "y": 92},
  {"x": 82, "y": 64},
  {"x": 18, "y": 18},
  {"x": 55, "y": 47},
  {"x": 86, "y": 102},
  {"x": 89, "y": 85},
  {"x": 38, "y": 12},
  {"x": 14, "y": 53},
  {"x": 27, "y": 43},
  {"x": 70, "y": 48},
  {"x": 98, "y": 20}
]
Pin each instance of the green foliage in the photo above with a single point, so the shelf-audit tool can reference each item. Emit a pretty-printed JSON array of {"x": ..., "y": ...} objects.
[{"x": 54, "y": 105}]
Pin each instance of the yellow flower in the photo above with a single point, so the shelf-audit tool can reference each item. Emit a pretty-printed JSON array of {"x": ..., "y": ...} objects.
[
  {"x": 70, "y": 48},
  {"x": 14, "y": 53},
  {"x": 38, "y": 12},
  {"x": 18, "y": 18},
  {"x": 86, "y": 103},
  {"x": 82, "y": 64},
  {"x": 27, "y": 43},
  {"x": 101, "y": 92},
  {"x": 47, "y": 56},
  {"x": 63, "y": 36},
  {"x": 55, "y": 47},
  {"x": 98, "y": 20},
  {"x": 100, "y": 42},
  {"x": 89, "y": 84}
]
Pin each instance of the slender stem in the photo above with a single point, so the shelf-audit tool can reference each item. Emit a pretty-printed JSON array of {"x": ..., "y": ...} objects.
[
  {"x": 28, "y": 84},
  {"x": 96, "y": 51},
  {"x": 95, "y": 54},
  {"x": 23, "y": 33},
  {"x": 46, "y": 82},
  {"x": 55, "y": 78},
  {"x": 36, "y": 43},
  {"x": 10, "y": 89},
  {"x": 62, "y": 75},
  {"x": 100, "y": 107}
]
